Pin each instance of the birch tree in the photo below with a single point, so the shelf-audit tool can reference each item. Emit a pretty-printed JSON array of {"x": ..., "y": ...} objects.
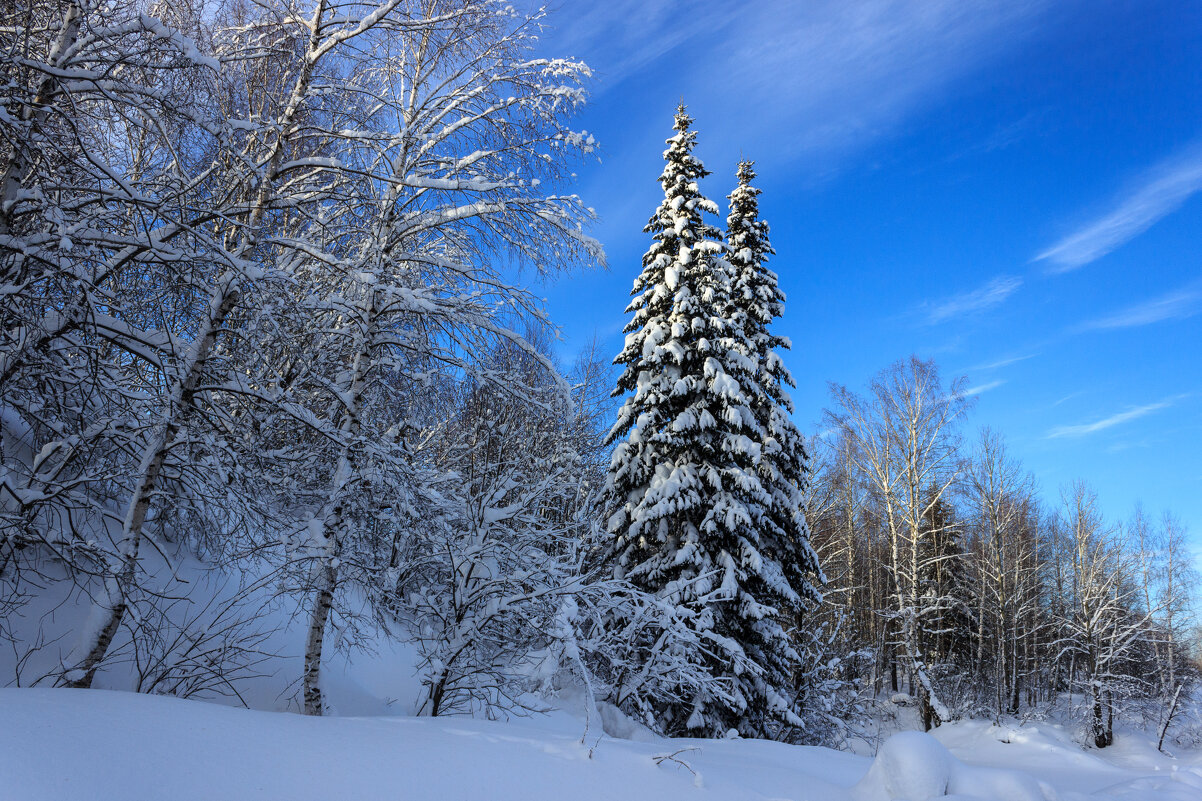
[
  {"x": 906, "y": 445},
  {"x": 105, "y": 258},
  {"x": 444, "y": 136},
  {"x": 999, "y": 494},
  {"x": 1100, "y": 624}
]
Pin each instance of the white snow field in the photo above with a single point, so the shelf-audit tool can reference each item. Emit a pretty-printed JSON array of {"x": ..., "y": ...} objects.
[{"x": 96, "y": 744}]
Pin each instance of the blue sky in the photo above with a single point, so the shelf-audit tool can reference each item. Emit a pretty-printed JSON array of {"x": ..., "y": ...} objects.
[{"x": 1011, "y": 188}]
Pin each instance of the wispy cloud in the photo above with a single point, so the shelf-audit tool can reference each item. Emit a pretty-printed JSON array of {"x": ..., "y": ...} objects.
[
  {"x": 972, "y": 392},
  {"x": 1113, "y": 420},
  {"x": 1068, "y": 398},
  {"x": 1175, "y": 305},
  {"x": 988, "y": 296},
  {"x": 994, "y": 365},
  {"x": 1159, "y": 192},
  {"x": 862, "y": 67},
  {"x": 978, "y": 390},
  {"x": 620, "y": 37},
  {"x": 838, "y": 73}
]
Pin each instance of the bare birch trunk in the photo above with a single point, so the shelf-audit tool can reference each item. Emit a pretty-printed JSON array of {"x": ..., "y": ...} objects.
[
  {"x": 153, "y": 457},
  {"x": 334, "y": 516},
  {"x": 322, "y": 604}
]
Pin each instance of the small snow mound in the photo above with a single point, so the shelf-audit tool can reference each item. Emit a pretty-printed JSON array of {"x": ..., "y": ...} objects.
[
  {"x": 912, "y": 766},
  {"x": 617, "y": 724}
]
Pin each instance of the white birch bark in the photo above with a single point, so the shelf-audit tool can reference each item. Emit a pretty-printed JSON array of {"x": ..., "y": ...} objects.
[
  {"x": 123, "y": 567},
  {"x": 328, "y": 537}
]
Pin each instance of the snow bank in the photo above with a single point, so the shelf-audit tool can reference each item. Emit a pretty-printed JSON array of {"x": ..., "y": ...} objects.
[
  {"x": 63, "y": 745},
  {"x": 916, "y": 767},
  {"x": 100, "y": 745}
]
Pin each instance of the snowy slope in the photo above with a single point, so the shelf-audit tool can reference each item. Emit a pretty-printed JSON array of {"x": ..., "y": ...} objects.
[
  {"x": 66, "y": 744},
  {"x": 50, "y": 625}
]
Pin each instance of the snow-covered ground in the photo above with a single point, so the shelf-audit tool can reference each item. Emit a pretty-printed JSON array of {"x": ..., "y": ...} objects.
[
  {"x": 106, "y": 744},
  {"x": 77, "y": 744}
]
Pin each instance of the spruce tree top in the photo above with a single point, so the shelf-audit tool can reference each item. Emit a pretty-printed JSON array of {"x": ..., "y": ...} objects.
[
  {"x": 680, "y": 235},
  {"x": 684, "y": 280},
  {"x": 756, "y": 296}
]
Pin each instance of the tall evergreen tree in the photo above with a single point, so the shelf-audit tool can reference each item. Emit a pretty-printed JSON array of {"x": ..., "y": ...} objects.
[
  {"x": 783, "y": 469},
  {"x": 684, "y": 493},
  {"x": 757, "y": 300}
]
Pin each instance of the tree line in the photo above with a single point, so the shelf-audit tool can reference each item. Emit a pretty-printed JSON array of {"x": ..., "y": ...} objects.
[{"x": 954, "y": 582}]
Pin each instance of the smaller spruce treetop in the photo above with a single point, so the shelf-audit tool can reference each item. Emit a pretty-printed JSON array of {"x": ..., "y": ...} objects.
[
  {"x": 757, "y": 298},
  {"x": 756, "y": 301}
]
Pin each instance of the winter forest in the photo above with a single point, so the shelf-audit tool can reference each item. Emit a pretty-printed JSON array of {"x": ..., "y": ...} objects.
[{"x": 280, "y": 398}]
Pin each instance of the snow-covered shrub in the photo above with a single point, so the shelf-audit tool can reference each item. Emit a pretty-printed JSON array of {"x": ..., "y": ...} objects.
[
  {"x": 645, "y": 652},
  {"x": 483, "y": 599},
  {"x": 830, "y": 698}
]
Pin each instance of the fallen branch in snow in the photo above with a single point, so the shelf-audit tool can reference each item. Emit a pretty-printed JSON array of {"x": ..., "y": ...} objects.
[{"x": 660, "y": 759}]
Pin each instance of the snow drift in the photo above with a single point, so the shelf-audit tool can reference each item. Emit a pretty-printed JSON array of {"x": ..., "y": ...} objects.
[{"x": 63, "y": 745}]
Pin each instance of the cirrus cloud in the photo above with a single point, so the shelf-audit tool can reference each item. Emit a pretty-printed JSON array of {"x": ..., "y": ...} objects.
[
  {"x": 1175, "y": 305},
  {"x": 1159, "y": 192},
  {"x": 991, "y": 294},
  {"x": 1119, "y": 418}
]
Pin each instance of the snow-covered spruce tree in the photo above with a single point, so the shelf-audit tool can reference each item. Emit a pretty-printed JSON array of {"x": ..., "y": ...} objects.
[
  {"x": 784, "y": 537},
  {"x": 685, "y": 499}
]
